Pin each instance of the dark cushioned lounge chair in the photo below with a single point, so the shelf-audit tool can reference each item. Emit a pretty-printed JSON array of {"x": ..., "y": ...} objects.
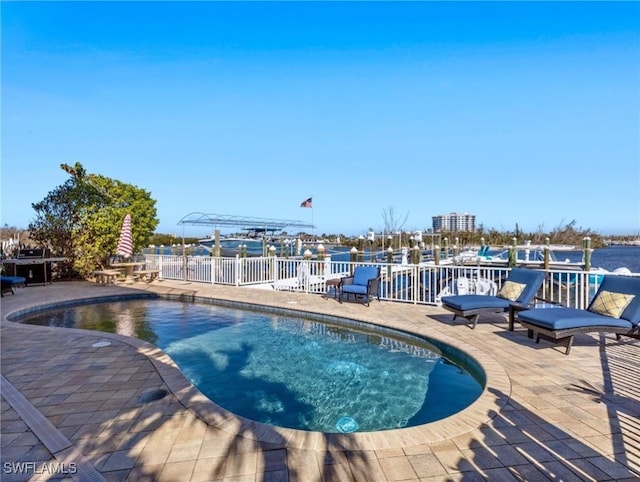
[
  {"x": 562, "y": 324},
  {"x": 363, "y": 284},
  {"x": 7, "y": 283},
  {"x": 525, "y": 282}
]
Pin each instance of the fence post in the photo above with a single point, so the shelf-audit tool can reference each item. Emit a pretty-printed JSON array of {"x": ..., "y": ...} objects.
[
  {"x": 326, "y": 270},
  {"x": 415, "y": 254},
  {"x": 587, "y": 268},
  {"x": 238, "y": 270},
  {"x": 353, "y": 256},
  {"x": 216, "y": 243},
  {"x": 321, "y": 259},
  {"x": 389, "y": 270},
  {"x": 307, "y": 255},
  {"x": 184, "y": 264},
  {"x": 547, "y": 253},
  {"x": 456, "y": 249},
  {"x": 272, "y": 261},
  {"x": 513, "y": 253},
  {"x": 586, "y": 242}
]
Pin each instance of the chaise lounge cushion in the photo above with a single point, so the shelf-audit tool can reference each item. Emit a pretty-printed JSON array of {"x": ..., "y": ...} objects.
[
  {"x": 13, "y": 280},
  {"x": 626, "y": 285},
  {"x": 565, "y": 318},
  {"x": 8, "y": 282},
  {"x": 531, "y": 279},
  {"x": 355, "y": 289},
  {"x": 562, "y": 324},
  {"x": 521, "y": 287},
  {"x": 474, "y": 302}
]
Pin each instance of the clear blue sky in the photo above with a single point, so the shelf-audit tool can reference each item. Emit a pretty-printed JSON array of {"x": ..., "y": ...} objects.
[{"x": 516, "y": 112}]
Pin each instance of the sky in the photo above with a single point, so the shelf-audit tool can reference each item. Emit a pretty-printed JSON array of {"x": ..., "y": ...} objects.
[{"x": 520, "y": 113}]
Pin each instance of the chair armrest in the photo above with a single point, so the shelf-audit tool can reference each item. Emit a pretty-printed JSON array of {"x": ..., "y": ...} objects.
[
  {"x": 373, "y": 282},
  {"x": 347, "y": 280}
]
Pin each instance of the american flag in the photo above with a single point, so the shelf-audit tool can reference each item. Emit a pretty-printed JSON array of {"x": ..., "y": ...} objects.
[{"x": 306, "y": 203}]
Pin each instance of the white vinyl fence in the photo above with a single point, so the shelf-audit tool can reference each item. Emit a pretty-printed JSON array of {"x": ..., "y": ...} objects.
[{"x": 410, "y": 283}]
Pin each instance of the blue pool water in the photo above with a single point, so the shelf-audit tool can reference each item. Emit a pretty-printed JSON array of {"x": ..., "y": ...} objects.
[{"x": 289, "y": 371}]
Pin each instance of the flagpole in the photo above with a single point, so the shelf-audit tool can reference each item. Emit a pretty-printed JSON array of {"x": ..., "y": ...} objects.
[
  {"x": 308, "y": 203},
  {"x": 312, "y": 225}
]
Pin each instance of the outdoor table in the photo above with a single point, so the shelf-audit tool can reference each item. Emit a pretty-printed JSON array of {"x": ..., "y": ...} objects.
[
  {"x": 128, "y": 267},
  {"x": 335, "y": 283}
]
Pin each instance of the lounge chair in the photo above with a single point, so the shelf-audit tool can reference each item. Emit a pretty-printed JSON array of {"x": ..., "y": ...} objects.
[
  {"x": 520, "y": 287},
  {"x": 615, "y": 308},
  {"x": 363, "y": 284},
  {"x": 7, "y": 283}
]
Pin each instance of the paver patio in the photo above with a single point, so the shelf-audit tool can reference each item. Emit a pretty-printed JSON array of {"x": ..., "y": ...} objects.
[{"x": 74, "y": 409}]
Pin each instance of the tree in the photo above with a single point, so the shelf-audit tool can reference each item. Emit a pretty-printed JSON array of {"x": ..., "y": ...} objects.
[
  {"x": 391, "y": 221},
  {"x": 58, "y": 217},
  {"x": 81, "y": 219}
]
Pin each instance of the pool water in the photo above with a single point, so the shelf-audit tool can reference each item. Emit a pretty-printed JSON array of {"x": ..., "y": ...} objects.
[{"x": 289, "y": 371}]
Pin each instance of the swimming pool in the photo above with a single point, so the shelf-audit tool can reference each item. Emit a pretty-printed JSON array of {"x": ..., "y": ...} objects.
[{"x": 290, "y": 371}]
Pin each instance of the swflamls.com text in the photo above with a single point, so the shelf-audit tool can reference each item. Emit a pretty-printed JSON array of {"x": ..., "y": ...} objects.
[{"x": 39, "y": 468}]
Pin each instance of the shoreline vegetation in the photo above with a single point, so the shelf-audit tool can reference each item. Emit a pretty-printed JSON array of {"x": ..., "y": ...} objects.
[{"x": 465, "y": 240}]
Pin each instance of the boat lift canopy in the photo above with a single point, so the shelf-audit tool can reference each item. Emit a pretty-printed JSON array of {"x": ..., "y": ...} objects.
[{"x": 248, "y": 223}]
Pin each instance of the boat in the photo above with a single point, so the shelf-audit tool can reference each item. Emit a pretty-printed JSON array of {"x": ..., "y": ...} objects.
[
  {"x": 230, "y": 246},
  {"x": 527, "y": 255},
  {"x": 471, "y": 256}
]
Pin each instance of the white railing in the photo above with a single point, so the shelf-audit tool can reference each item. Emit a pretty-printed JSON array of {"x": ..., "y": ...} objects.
[{"x": 409, "y": 283}]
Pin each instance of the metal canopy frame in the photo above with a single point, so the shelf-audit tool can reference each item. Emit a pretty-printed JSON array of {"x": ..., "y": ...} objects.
[{"x": 243, "y": 222}]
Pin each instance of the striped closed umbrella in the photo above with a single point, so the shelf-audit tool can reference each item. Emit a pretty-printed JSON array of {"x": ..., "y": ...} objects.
[{"x": 125, "y": 243}]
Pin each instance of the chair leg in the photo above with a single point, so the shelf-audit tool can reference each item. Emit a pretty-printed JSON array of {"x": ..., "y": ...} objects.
[
  {"x": 569, "y": 345},
  {"x": 474, "y": 320}
]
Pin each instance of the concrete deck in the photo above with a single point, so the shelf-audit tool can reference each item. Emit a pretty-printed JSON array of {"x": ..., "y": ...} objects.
[{"x": 71, "y": 410}]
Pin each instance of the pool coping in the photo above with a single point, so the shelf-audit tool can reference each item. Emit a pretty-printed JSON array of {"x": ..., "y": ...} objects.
[{"x": 487, "y": 406}]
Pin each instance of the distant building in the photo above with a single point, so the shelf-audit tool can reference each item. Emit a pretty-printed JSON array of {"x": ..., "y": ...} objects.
[{"x": 454, "y": 222}]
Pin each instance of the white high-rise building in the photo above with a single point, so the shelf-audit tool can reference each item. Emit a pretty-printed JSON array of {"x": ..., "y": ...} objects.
[{"x": 454, "y": 222}]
